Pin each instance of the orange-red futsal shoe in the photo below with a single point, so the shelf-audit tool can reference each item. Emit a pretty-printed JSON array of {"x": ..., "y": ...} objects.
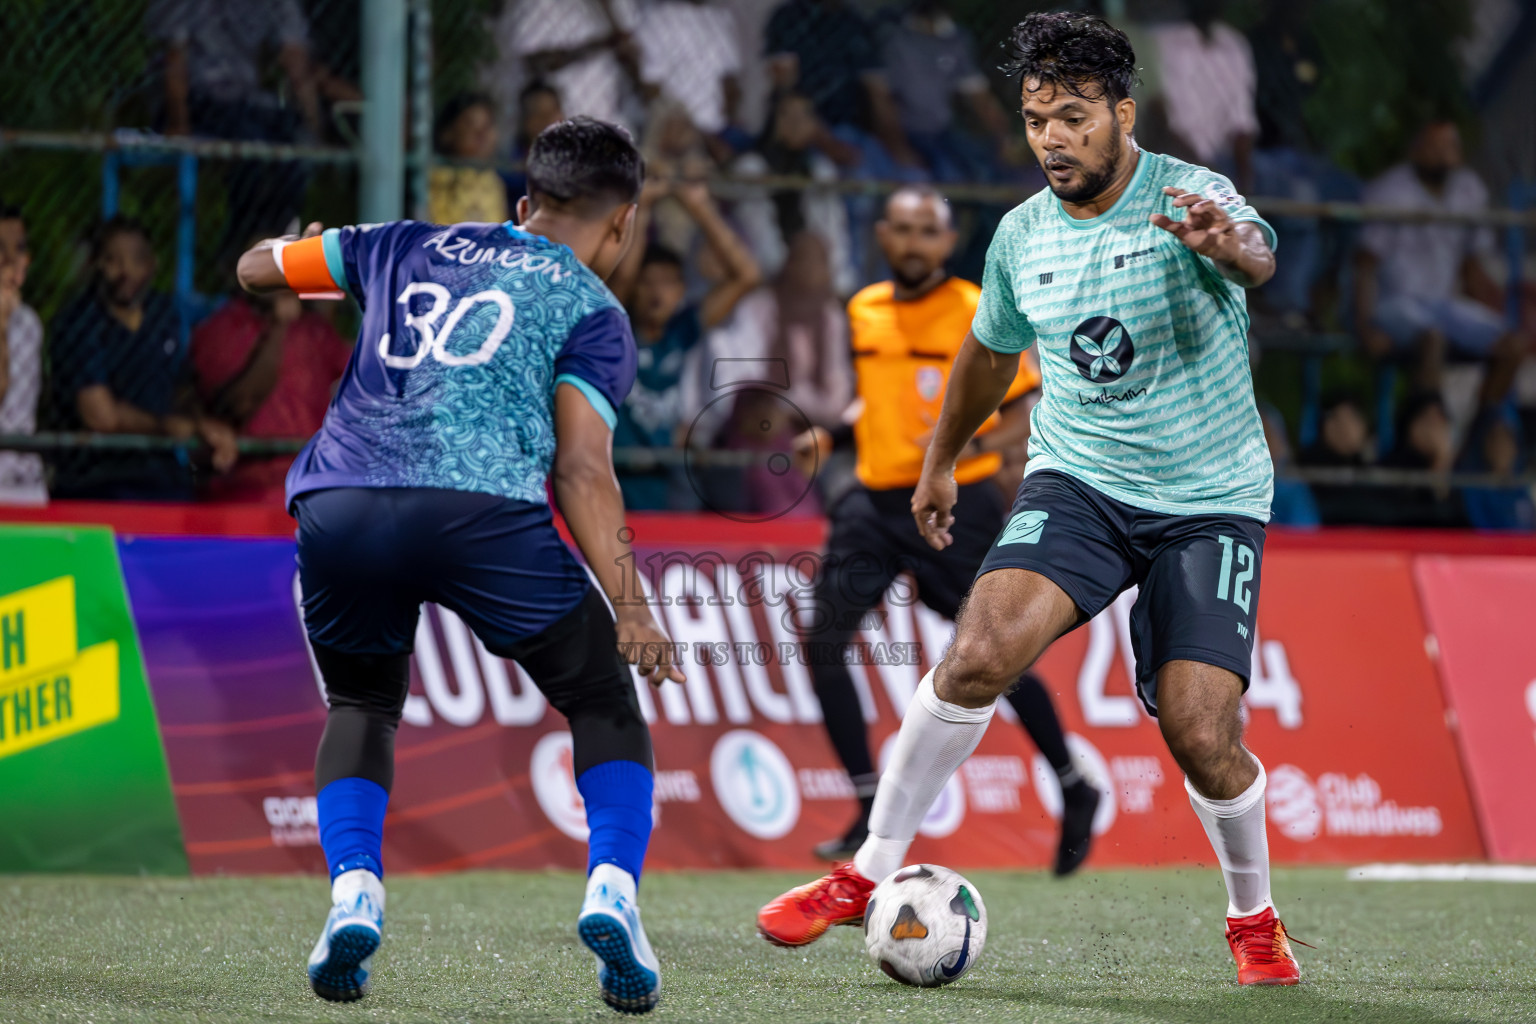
[
  {"x": 802, "y": 915},
  {"x": 1262, "y": 950}
]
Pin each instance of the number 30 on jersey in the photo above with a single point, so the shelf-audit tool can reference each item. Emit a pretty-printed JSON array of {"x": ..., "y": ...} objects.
[{"x": 433, "y": 340}]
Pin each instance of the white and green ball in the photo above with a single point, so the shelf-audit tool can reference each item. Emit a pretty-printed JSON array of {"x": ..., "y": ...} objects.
[{"x": 925, "y": 926}]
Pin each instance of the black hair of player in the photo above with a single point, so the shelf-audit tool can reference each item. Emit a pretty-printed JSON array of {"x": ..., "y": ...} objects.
[
  {"x": 1080, "y": 53},
  {"x": 537, "y": 87},
  {"x": 454, "y": 109},
  {"x": 586, "y": 165},
  {"x": 660, "y": 255},
  {"x": 115, "y": 225},
  {"x": 11, "y": 212}
]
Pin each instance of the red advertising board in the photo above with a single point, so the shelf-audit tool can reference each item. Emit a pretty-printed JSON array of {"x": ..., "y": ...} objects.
[
  {"x": 1345, "y": 712},
  {"x": 1481, "y": 612}
]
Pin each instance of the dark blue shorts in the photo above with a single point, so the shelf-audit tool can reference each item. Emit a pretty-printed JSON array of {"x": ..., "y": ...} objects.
[
  {"x": 369, "y": 557},
  {"x": 1198, "y": 574}
]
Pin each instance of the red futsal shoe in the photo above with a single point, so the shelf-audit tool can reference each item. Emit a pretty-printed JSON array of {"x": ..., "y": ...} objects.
[
  {"x": 1262, "y": 950},
  {"x": 800, "y": 916}
]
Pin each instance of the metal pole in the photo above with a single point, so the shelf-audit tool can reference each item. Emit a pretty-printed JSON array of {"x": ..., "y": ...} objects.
[
  {"x": 421, "y": 105},
  {"x": 382, "y": 174}
]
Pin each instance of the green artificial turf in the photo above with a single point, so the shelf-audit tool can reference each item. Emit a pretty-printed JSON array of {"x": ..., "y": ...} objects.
[{"x": 1103, "y": 947}]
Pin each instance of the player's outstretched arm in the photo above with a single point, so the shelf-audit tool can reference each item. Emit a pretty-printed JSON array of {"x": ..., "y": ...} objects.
[
  {"x": 1237, "y": 248},
  {"x": 977, "y": 385},
  {"x": 258, "y": 270},
  {"x": 589, "y": 498}
]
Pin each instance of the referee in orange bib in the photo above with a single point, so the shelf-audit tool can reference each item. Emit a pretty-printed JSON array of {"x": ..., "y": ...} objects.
[{"x": 905, "y": 335}]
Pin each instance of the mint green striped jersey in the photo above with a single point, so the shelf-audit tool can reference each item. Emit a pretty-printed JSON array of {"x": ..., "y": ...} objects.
[{"x": 1143, "y": 348}]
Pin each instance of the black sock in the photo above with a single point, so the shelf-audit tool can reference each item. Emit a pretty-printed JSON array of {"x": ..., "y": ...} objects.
[
  {"x": 843, "y": 717},
  {"x": 1033, "y": 705}
]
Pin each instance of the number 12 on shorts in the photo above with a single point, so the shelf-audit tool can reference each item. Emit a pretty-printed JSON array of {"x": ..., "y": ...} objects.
[{"x": 1237, "y": 588}]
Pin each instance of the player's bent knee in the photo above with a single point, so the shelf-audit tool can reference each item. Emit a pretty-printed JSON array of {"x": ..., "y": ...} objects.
[{"x": 976, "y": 669}]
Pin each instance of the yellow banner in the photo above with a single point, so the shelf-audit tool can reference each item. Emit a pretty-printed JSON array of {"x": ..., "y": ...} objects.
[
  {"x": 48, "y": 688},
  {"x": 37, "y": 629}
]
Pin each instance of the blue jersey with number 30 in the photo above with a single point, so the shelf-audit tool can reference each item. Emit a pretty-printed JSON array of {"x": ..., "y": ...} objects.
[{"x": 466, "y": 332}]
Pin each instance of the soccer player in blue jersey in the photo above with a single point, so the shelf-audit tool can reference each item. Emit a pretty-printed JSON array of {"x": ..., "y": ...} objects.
[
  {"x": 490, "y": 358},
  {"x": 1147, "y": 468}
]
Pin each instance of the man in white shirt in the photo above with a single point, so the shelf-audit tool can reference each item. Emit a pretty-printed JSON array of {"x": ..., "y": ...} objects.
[
  {"x": 1208, "y": 83},
  {"x": 21, "y": 365},
  {"x": 1422, "y": 287},
  {"x": 584, "y": 48},
  {"x": 689, "y": 51}
]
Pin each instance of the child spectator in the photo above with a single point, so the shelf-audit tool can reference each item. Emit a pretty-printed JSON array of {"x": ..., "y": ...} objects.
[
  {"x": 268, "y": 367},
  {"x": 21, "y": 364},
  {"x": 1493, "y": 447},
  {"x": 119, "y": 368},
  {"x": 652, "y": 285},
  {"x": 1293, "y": 504},
  {"x": 466, "y": 130}
]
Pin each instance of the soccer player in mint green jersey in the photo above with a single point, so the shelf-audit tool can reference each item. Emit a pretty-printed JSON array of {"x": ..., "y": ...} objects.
[{"x": 1147, "y": 468}]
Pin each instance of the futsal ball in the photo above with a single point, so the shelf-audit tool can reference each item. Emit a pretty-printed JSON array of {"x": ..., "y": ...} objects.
[{"x": 925, "y": 926}]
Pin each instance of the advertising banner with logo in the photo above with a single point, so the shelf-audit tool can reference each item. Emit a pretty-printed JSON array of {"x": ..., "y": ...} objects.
[
  {"x": 1480, "y": 611},
  {"x": 1344, "y": 709},
  {"x": 83, "y": 779}
]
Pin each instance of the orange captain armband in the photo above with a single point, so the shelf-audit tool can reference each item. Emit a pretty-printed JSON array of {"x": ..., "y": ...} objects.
[{"x": 304, "y": 267}]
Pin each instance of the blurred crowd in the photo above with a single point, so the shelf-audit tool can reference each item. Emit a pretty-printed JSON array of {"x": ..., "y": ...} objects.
[{"x": 759, "y": 119}]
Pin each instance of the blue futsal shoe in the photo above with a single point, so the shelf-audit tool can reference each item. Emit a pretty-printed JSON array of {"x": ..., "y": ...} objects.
[
  {"x": 628, "y": 976},
  {"x": 339, "y": 965}
]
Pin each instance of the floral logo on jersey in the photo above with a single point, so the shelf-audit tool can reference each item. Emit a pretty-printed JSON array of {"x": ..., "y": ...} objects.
[{"x": 1102, "y": 349}]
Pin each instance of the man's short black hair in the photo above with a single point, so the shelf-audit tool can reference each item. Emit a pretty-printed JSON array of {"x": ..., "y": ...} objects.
[
  {"x": 1080, "y": 53},
  {"x": 455, "y": 108},
  {"x": 584, "y": 163},
  {"x": 538, "y": 87},
  {"x": 117, "y": 224},
  {"x": 656, "y": 253},
  {"x": 10, "y": 212}
]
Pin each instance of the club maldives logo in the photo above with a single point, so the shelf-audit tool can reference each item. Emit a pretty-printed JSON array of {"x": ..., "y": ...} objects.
[
  {"x": 1340, "y": 805},
  {"x": 1101, "y": 349}
]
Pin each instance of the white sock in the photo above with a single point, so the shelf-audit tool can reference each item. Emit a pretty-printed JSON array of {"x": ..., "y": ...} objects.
[
  {"x": 614, "y": 877},
  {"x": 349, "y": 884},
  {"x": 1236, "y": 830},
  {"x": 935, "y": 739}
]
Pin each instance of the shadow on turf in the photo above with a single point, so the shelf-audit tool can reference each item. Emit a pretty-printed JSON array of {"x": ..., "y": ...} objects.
[{"x": 1251, "y": 1006}]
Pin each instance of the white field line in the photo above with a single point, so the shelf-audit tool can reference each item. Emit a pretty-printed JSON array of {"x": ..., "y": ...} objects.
[{"x": 1442, "y": 873}]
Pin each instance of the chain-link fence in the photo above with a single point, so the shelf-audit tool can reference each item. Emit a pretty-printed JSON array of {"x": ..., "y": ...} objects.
[{"x": 212, "y": 123}]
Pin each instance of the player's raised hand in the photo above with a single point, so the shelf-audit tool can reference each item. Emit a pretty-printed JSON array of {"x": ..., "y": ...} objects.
[
  {"x": 933, "y": 503},
  {"x": 645, "y": 646},
  {"x": 1206, "y": 228}
]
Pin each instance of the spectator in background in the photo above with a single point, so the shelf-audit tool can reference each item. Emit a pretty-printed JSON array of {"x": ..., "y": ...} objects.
[
  {"x": 1423, "y": 444},
  {"x": 673, "y": 149},
  {"x": 585, "y": 49},
  {"x": 466, "y": 130},
  {"x": 1422, "y": 288},
  {"x": 796, "y": 144},
  {"x": 119, "y": 368},
  {"x": 1287, "y": 163},
  {"x": 827, "y": 51},
  {"x": 538, "y": 107},
  {"x": 1493, "y": 448},
  {"x": 800, "y": 323},
  {"x": 652, "y": 285},
  {"x": 689, "y": 54},
  {"x": 21, "y": 364},
  {"x": 214, "y": 70},
  {"x": 1206, "y": 88},
  {"x": 268, "y": 367},
  {"x": 930, "y": 63},
  {"x": 1293, "y": 504},
  {"x": 1344, "y": 442}
]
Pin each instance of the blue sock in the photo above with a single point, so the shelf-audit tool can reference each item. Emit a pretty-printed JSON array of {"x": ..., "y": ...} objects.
[
  {"x": 352, "y": 825},
  {"x": 618, "y": 797}
]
